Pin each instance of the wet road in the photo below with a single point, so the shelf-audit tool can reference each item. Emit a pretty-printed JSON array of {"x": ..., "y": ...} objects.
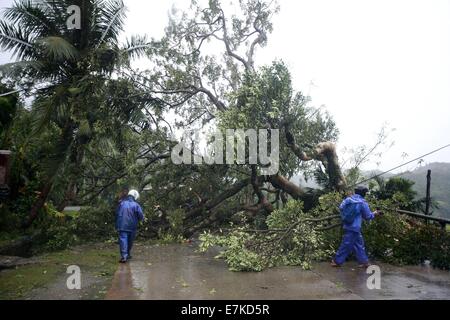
[{"x": 178, "y": 272}]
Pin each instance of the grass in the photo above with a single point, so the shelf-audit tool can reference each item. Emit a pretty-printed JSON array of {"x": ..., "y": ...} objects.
[
  {"x": 7, "y": 237},
  {"x": 14, "y": 284},
  {"x": 98, "y": 259}
]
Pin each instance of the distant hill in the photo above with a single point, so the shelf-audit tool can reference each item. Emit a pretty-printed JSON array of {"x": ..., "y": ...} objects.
[{"x": 440, "y": 184}]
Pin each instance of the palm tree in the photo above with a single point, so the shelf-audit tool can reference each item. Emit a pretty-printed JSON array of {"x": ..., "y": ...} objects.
[
  {"x": 8, "y": 108},
  {"x": 66, "y": 70}
]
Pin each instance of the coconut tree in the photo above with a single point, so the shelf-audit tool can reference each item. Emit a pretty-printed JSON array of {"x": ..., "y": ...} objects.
[
  {"x": 66, "y": 71},
  {"x": 8, "y": 108}
]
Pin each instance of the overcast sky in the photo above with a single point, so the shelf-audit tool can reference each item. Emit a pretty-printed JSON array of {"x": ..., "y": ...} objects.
[{"x": 370, "y": 62}]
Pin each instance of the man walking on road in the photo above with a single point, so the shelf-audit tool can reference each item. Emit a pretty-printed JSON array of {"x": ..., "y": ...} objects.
[
  {"x": 128, "y": 215},
  {"x": 354, "y": 210}
]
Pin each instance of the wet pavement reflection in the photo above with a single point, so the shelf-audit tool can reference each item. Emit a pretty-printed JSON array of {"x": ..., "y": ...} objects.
[{"x": 176, "y": 272}]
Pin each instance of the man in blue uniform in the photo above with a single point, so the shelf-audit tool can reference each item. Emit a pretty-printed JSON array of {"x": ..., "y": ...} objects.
[
  {"x": 128, "y": 215},
  {"x": 354, "y": 209}
]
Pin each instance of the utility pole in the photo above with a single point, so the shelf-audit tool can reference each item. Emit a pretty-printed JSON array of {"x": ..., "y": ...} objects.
[{"x": 428, "y": 198}]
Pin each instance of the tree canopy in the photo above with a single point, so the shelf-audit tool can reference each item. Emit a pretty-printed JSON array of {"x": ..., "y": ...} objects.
[{"x": 83, "y": 124}]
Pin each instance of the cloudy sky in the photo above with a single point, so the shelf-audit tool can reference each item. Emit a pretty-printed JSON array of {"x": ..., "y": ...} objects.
[{"x": 369, "y": 62}]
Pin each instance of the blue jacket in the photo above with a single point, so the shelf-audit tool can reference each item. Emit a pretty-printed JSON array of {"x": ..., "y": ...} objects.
[
  {"x": 128, "y": 215},
  {"x": 364, "y": 212}
]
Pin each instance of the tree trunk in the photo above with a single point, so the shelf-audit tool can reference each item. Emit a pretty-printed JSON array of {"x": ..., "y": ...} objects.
[
  {"x": 324, "y": 152},
  {"x": 212, "y": 218},
  {"x": 39, "y": 203},
  {"x": 62, "y": 146},
  {"x": 287, "y": 186},
  {"x": 238, "y": 186},
  {"x": 68, "y": 196},
  {"x": 280, "y": 182}
]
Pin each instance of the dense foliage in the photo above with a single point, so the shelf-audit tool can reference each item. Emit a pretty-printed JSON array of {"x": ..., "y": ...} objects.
[
  {"x": 297, "y": 238},
  {"x": 83, "y": 124}
]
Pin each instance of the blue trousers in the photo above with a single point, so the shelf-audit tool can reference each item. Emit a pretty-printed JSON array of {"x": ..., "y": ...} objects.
[
  {"x": 126, "y": 243},
  {"x": 352, "y": 241}
]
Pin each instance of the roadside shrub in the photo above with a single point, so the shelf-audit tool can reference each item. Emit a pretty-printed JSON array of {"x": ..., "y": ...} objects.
[
  {"x": 440, "y": 256},
  {"x": 59, "y": 237},
  {"x": 424, "y": 242},
  {"x": 15, "y": 210},
  {"x": 55, "y": 232},
  {"x": 298, "y": 238},
  {"x": 8, "y": 219},
  {"x": 383, "y": 235},
  {"x": 95, "y": 223}
]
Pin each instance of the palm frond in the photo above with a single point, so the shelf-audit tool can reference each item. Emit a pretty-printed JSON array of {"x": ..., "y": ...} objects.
[
  {"x": 112, "y": 14},
  {"x": 57, "y": 158},
  {"x": 12, "y": 38},
  {"x": 57, "y": 48},
  {"x": 20, "y": 68},
  {"x": 42, "y": 111},
  {"x": 106, "y": 145},
  {"x": 56, "y": 11},
  {"x": 32, "y": 17},
  {"x": 136, "y": 46},
  {"x": 52, "y": 107}
]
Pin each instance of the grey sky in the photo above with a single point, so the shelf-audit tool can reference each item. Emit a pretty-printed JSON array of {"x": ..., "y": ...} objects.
[{"x": 371, "y": 62}]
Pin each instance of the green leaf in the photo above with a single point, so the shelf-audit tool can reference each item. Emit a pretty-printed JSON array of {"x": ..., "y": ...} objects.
[{"x": 58, "y": 48}]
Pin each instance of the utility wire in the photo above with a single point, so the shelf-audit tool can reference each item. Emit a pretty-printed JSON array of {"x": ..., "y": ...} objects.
[
  {"x": 10, "y": 93},
  {"x": 404, "y": 164}
]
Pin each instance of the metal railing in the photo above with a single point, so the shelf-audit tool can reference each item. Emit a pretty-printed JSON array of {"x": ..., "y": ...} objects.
[{"x": 442, "y": 221}]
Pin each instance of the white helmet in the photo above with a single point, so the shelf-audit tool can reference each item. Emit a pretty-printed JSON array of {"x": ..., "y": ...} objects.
[{"x": 134, "y": 194}]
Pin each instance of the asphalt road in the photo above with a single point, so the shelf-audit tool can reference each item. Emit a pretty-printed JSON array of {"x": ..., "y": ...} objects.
[{"x": 178, "y": 272}]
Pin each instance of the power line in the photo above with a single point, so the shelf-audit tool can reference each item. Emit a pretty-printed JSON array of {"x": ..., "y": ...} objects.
[
  {"x": 404, "y": 164},
  {"x": 10, "y": 93}
]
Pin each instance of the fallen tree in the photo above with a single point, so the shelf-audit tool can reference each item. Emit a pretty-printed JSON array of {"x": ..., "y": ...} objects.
[
  {"x": 224, "y": 90},
  {"x": 299, "y": 238}
]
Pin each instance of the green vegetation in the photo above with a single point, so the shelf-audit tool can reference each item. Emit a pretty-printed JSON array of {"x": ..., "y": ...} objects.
[
  {"x": 294, "y": 237},
  {"x": 440, "y": 186},
  {"x": 84, "y": 124},
  {"x": 289, "y": 240},
  {"x": 99, "y": 260}
]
